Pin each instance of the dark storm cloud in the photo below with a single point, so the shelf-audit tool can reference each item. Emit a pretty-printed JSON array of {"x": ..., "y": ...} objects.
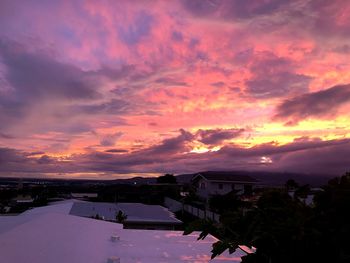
[
  {"x": 163, "y": 157},
  {"x": 268, "y": 149},
  {"x": 315, "y": 104},
  {"x": 333, "y": 159},
  {"x": 303, "y": 155},
  {"x": 213, "y": 137},
  {"x": 173, "y": 145}
]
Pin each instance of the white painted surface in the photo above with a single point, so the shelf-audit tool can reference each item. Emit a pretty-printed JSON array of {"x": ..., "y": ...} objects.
[{"x": 57, "y": 238}]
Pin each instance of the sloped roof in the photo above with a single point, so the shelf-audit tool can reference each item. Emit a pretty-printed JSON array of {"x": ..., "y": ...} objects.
[
  {"x": 225, "y": 176},
  {"x": 136, "y": 212}
]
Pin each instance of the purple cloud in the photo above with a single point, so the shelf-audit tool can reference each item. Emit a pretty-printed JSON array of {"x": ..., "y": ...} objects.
[
  {"x": 275, "y": 77},
  {"x": 37, "y": 75},
  {"x": 173, "y": 145},
  {"x": 213, "y": 137},
  {"x": 309, "y": 155},
  {"x": 116, "y": 151},
  {"x": 110, "y": 139},
  {"x": 135, "y": 32},
  {"x": 315, "y": 104},
  {"x": 234, "y": 9}
]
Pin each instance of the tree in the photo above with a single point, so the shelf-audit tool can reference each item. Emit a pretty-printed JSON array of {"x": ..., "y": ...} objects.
[
  {"x": 291, "y": 184},
  {"x": 302, "y": 191},
  {"x": 167, "y": 179},
  {"x": 227, "y": 202},
  {"x": 121, "y": 217},
  {"x": 283, "y": 229}
]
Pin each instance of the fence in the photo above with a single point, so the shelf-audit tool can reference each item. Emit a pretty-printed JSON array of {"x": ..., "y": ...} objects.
[{"x": 176, "y": 206}]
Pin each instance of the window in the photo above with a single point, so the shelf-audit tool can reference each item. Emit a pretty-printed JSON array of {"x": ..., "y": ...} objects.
[
  {"x": 233, "y": 186},
  {"x": 220, "y": 186},
  {"x": 202, "y": 185}
]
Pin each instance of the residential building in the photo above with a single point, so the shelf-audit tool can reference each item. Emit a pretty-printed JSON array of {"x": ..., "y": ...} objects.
[{"x": 219, "y": 183}]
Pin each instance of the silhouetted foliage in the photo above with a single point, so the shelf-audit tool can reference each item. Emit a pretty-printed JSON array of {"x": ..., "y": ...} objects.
[
  {"x": 121, "y": 217},
  {"x": 302, "y": 191},
  {"x": 222, "y": 203},
  {"x": 291, "y": 184},
  {"x": 285, "y": 230},
  {"x": 167, "y": 179}
]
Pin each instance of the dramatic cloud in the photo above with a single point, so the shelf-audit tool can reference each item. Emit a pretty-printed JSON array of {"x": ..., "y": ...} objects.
[
  {"x": 123, "y": 86},
  {"x": 36, "y": 79},
  {"x": 234, "y": 9},
  {"x": 275, "y": 77},
  {"x": 311, "y": 155},
  {"x": 213, "y": 137},
  {"x": 173, "y": 145},
  {"x": 110, "y": 139},
  {"x": 315, "y": 104},
  {"x": 37, "y": 75}
]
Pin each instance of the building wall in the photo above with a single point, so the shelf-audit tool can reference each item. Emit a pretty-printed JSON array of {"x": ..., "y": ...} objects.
[
  {"x": 206, "y": 188},
  {"x": 220, "y": 188},
  {"x": 203, "y": 188}
]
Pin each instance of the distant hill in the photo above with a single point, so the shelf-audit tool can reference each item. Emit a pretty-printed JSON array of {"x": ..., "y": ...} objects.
[
  {"x": 135, "y": 180},
  {"x": 269, "y": 178},
  {"x": 274, "y": 178}
]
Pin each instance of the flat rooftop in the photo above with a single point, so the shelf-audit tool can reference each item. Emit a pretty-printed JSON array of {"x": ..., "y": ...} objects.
[{"x": 47, "y": 236}]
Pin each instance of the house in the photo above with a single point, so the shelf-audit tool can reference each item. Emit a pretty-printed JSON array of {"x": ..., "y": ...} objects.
[{"x": 219, "y": 183}]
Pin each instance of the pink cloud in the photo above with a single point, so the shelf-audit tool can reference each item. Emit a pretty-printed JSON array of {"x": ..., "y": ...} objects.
[{"x": 74, "y": 75}]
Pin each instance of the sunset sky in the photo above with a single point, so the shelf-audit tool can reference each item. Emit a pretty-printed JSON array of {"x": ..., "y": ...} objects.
[{"x": 108, "y": 89}]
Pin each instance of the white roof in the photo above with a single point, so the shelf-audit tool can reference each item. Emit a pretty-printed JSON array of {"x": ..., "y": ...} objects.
[
  {"x": 9, "y": 222},
  {"x": 59, "y": 207},
  {"x": 57, "y": 237}
]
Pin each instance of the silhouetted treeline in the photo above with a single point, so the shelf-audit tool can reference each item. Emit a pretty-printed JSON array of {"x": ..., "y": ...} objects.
[{"x": 283, "y": 229}]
